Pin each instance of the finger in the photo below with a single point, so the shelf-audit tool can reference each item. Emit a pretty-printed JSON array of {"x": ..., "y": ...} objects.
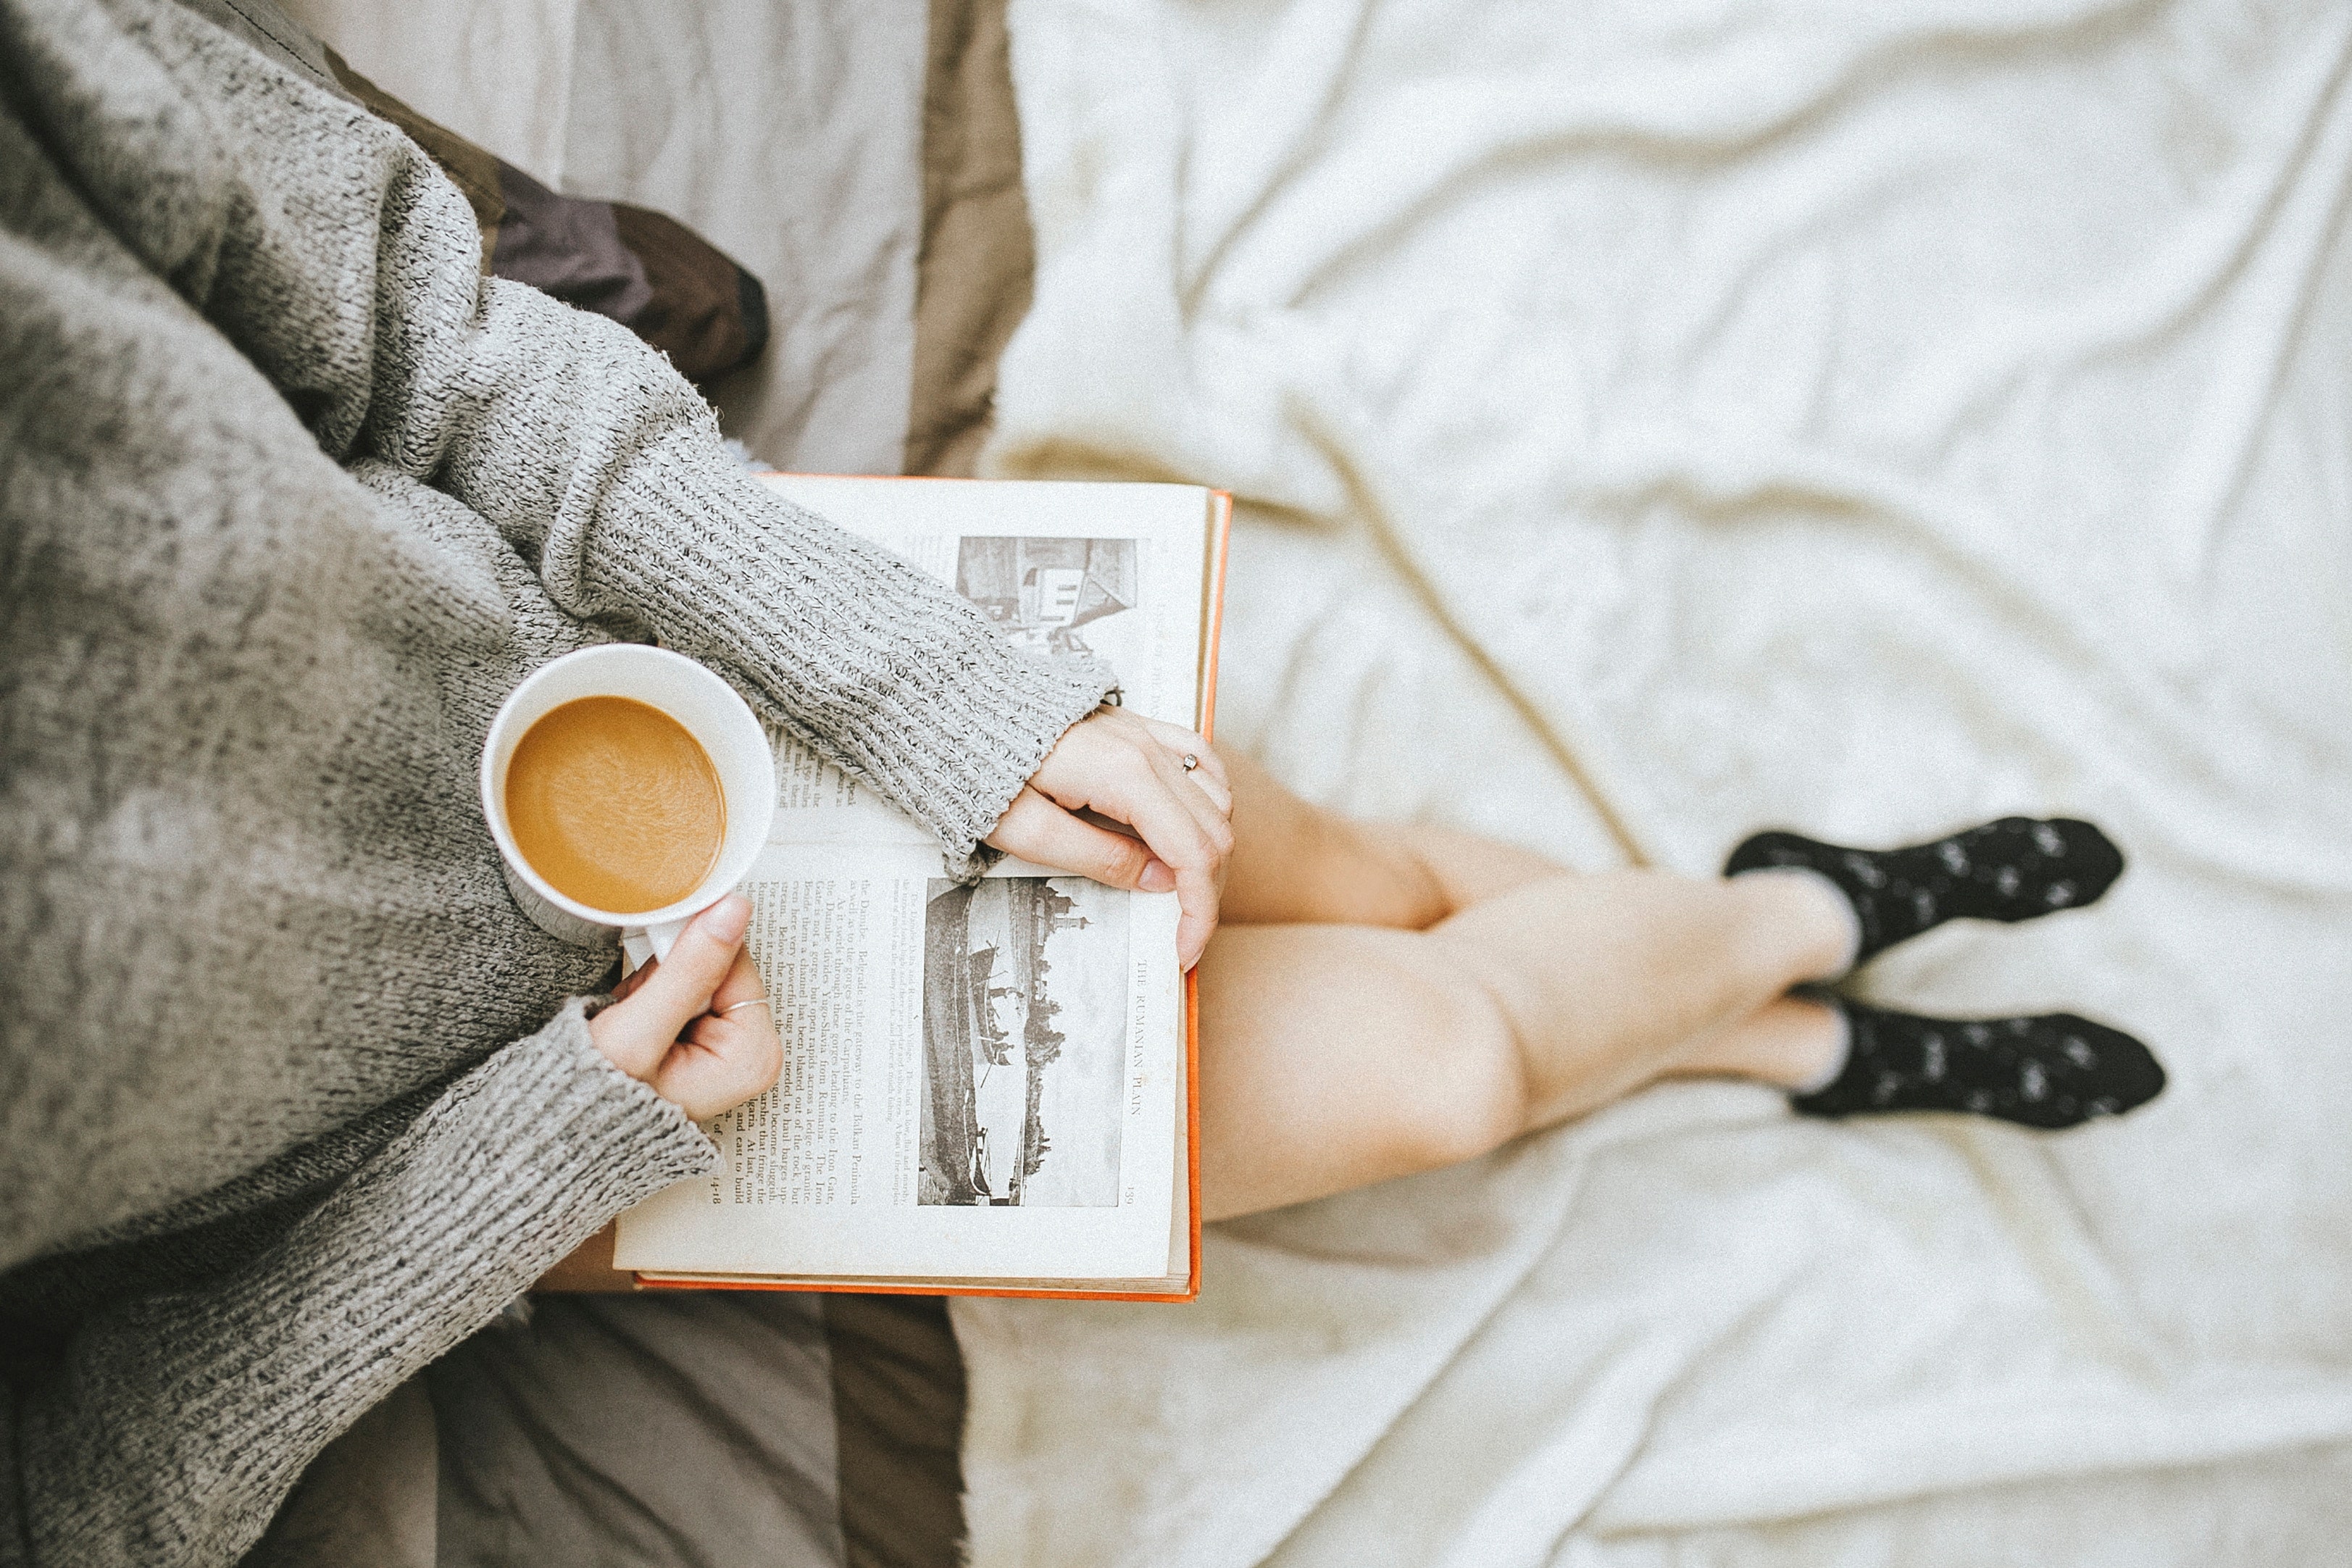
[
  {"x": 1198, "y": 860},
  {"x": 637, "y": 1033},
  {"x": 1210, "y": 797},
  {"x": 1095, "y": 766},
  {"x": 1218, "y": 793},
  {"x": 721, "y": 1062},
  {"x": 1209, "y": 771},
  {"x": 1153, "y": 803},
  {"x": 1098, "y": 759},
  {"x": 1038, "y": 830},
  {"x": 1188, "y": 743},
  {"x": 743, "y": 985},
  {"x": 1192, "y": 792},
  {"x": 1203, "y": 787},
  {"x": 704, "y": 955},
  {"x": 729, "y": 1055},
  {"x": 1049, "y": 835}
]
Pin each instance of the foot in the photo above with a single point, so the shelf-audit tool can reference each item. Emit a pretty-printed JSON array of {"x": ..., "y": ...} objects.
[
  {"x": 2052, "y": 1071},
  {"x": 2012, "y": 870}
]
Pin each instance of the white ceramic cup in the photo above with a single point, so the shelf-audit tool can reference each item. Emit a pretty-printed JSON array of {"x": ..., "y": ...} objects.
[{"x": 712, "y": 713}]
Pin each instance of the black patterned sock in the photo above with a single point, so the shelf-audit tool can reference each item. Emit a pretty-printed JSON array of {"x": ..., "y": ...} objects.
[
  {"x": 2012, "y": 870},
  {"x": 2055, "y": 1071}
]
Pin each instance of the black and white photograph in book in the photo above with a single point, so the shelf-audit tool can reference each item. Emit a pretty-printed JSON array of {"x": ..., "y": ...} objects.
[
  {"x": 1024, "y": 1029},
  {"x": 1059, "y": 594}
]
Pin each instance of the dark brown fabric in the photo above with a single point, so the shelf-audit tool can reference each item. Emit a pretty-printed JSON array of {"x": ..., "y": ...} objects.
[
  {"x": 974, "y": 272},
  {"x": 472, "y": 170},
  {"x": 897, "y": 1408},
  {"x": 568, "y": 249},
  {"x": 650, "y": 273},
  {"x": 706, "y": 313},
  {"x": 368, "y": 1498}
]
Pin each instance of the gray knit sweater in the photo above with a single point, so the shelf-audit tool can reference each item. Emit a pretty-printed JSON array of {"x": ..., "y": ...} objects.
[{"x": 291, "y": 1097}]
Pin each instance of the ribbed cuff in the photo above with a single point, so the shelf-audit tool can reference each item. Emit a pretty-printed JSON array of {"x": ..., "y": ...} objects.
[
  {"x": 182, "y": 1419},
  {"x": 887, "y": 671}
]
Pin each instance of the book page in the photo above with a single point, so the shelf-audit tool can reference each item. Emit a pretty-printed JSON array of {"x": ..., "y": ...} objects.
[
  {"x": 817, "y": 802},
  {"x": 984, "y": 1082},
  {"x": 978, "y": 1080},
  {"x": 1116, "y": 572}
]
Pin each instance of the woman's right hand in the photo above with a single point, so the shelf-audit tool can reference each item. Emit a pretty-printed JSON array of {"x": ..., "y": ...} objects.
[{"x": 666, "y": 1026}]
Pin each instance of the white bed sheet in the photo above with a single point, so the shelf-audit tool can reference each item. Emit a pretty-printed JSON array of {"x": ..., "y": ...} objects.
[{"x": 1658, "y": 420}]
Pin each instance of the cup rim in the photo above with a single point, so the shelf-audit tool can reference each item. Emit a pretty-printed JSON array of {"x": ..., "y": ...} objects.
[{"x": 718, "y": 882}]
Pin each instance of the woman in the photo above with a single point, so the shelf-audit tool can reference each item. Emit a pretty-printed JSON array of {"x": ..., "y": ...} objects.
[{"x": 294, "y": 1097}]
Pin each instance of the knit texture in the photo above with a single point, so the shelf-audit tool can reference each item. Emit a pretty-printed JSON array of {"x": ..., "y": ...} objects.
[
  {"x": 518, "y": 1163},
  {"x": 289, "y": 499}
]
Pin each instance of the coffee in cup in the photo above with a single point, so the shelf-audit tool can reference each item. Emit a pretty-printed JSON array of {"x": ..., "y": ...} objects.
[
  {"x": 627, "y": 788},
  {"x": 615, "y": 803}
]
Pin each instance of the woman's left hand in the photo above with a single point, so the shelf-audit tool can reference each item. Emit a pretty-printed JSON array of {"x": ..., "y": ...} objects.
[{"x": 1131, "y": 770}]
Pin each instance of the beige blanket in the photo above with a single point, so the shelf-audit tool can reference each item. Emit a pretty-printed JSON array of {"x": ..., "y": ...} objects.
[{"x": 1658, "y": 422}]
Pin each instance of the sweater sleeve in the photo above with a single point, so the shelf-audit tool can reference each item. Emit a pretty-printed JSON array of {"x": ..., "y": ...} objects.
[
  {"x": 175, "y": 1424},
  {"x": 601, "y": 465},
  {"x": 348, "y": 271}
]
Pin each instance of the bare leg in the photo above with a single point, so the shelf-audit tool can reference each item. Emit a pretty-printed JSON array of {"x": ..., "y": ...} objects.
[
  {"x": 1337, "y": 1055},
  {"x": 1787, "y": 1043},
  {"x": 1297, "y": 864}
]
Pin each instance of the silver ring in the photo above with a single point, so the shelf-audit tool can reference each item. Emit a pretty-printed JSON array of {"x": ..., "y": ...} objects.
[
  {"x": 1191, "y": 762},
  {"x": 739, "y": 1007}
]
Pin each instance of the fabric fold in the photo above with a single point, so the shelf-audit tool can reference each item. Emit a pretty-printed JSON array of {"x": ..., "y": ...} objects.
[{"x": 126, "y": 1447}]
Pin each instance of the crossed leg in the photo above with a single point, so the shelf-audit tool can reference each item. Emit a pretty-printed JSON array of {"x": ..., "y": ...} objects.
[{"x": 1383, "y": 1001}]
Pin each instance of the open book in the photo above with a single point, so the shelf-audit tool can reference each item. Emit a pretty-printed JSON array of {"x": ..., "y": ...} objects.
[{"x": 985, "y": 1089}]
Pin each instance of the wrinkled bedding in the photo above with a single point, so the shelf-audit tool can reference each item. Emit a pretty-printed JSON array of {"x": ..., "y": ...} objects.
[{"x": 1655, "y": 422}]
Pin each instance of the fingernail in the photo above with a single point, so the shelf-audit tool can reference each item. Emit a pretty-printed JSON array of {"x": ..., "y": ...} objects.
[
  {"x": 1156, "y": 877},
  {"x": 727, "y": 919}
]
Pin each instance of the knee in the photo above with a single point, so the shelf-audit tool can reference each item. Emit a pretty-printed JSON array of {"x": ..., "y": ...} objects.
[{"x": 1472, "y": 1094}]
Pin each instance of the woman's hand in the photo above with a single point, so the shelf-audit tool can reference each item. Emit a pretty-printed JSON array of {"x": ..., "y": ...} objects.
[
  {"x": 1130, "y": 769},
  {"x": 667, "y": 1027}
]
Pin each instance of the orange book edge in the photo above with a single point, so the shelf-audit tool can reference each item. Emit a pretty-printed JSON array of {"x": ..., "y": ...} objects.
[{"x": 1220, "y": 528}]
